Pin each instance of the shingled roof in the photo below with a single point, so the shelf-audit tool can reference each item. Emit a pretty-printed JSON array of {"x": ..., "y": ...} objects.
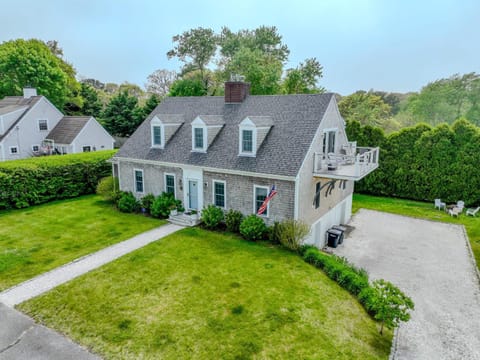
[
  {"x": 295, "y": 120},
  {"x": 12, "y": 103},
  {"x": 67, "y": 129}
]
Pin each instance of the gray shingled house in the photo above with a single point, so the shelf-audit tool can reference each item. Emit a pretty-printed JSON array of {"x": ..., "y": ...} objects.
[
  {"x": 230, "y": 150},
  {"x": 74, "y": 134},
  {"x": 27, "y": 121}
]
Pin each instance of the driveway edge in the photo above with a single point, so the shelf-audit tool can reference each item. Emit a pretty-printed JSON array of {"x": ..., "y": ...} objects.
[{"x": 470, "y": 252}]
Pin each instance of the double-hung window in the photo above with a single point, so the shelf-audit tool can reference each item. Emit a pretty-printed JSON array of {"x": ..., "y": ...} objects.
[
  {"x": 42, "y": 125},
  {"x": 219, "y": 193},
  {"x": 138, "y": 174},
  {"x": 170, "y": 184},
  {"x": 247, "y": 141},
  {"x": 198, "y": 139},
  {"x": 260, "y": 194},
  {"x": 156, "y": 135}
]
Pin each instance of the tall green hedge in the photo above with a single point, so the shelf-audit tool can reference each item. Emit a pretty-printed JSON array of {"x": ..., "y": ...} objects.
[
  {"x": 424, "y": 163},
  {"x": 38, "y": 180}
]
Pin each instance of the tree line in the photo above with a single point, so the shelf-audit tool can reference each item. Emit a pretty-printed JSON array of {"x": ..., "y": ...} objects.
[{"x": 440, "y": 101}]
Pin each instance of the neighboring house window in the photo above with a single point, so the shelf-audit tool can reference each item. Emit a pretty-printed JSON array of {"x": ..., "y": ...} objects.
[
  {"x": 42, "y": 125},
  {"x": 329, "y": 141},
  {"x": 170, "y": 184},
  {"x": 260, "y": 193},
  {"x": 198, "y": 139},
  {"x": 13, "y": 150},
  {"x": 87, "y": 149},
  {"x": 247, "y": 141},
  {"x": 316, "y": 199},
  {"x": 219, "y": 193},
  {"x": 156, "y": 135},
  {"x": 138, "y": 181},
  {"x": 35, "y": 148}
]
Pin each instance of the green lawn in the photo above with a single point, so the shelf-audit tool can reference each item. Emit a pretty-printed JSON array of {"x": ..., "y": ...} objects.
[
  {"x": 424, "y": 211},
  {"x": 205, "y": 295},
  {"x": 40, "y": 238}
]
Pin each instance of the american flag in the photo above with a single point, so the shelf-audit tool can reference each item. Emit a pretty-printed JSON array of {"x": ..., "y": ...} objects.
[{"x": 262, "y": 208}]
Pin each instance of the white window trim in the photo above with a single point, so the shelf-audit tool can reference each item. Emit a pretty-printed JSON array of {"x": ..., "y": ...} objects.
[
  {"x": 224, "y": 193},
  {"x": 38, "y": 146},
  {"x": 174, "y": 183},
  {"x": 255, "y": 187},
  {"x": 135, "y": 181},
  {"x": 162, "y": 134},
  {"x": 14, "y": 153},
  {"x": 205, "y": 138},
  {"x": 38, "y": 124},
  {"x": 253, "y": 129}
]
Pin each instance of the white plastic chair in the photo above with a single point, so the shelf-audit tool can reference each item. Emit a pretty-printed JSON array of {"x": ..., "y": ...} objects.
[
  {"x": 460, "y": 205},
  {"x": 439, "y": 204},
  {"x": 473, "y": 212}
]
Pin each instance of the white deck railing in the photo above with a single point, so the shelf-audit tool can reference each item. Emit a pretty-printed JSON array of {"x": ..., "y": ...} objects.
[{"x": 353, "y": 165}]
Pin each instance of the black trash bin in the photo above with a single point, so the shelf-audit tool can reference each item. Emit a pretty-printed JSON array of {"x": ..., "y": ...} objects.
[
  {"x": 342, "y": 229},
  {"x": 333, "y": 237}
]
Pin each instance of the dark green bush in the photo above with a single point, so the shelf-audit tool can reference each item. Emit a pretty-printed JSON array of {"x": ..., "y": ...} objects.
[
  {"x": 253, "y": 228},
  {"x": 127, "y": 202},
  {"x": 38, "y": 180},
  {"x": 338, "y": 269},
  {"x": 163, "y": 204},
  {"x": 233, "y": 219},
  {"x": 146, "y": 202},
  {"x": 107, "y": 188},
  {"x": 423, "y": 162},
  {"x": 212, "y": 216}
]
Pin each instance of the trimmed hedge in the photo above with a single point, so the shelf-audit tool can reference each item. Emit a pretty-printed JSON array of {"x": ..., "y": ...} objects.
[
  {"x": 38, "y": 180},
  {"x": 423, "y": 162},
  {"x": 355, "y": 281}
]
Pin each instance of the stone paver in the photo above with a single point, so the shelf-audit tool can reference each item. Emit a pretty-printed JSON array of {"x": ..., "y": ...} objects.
[
  {"x": 22, "y": 338},
  {"x": 431, "y": 262},
  {"x": 47, "y": 281}
]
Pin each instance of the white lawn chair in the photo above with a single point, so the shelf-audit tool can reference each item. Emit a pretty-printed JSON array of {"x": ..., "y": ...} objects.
[
  {"x": 473, "y": 212},
  {"x": 439, "y": 204},
  {"x": 460, "y": 205}
]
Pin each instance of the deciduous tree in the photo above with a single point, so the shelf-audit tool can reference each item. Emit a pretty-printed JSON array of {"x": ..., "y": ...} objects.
[{"x": 32, "y": 63}]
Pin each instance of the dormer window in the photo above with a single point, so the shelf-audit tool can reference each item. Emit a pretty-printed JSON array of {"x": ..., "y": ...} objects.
[
  {"x": 253, "y": 131},
  {"x": 204, "y": 130},
  {"x": 158, "y": 133}
]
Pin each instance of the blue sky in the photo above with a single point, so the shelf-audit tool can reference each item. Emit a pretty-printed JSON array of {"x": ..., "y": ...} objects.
[{"x": 390, "y": 45}]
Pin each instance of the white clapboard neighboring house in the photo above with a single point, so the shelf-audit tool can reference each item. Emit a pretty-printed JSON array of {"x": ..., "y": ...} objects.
[
  {"x": 31, "y": 125},
  {"x": 229, "y": 151}
]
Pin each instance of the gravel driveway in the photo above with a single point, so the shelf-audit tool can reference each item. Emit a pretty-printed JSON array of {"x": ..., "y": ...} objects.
[{"x": 430, "y": 262}]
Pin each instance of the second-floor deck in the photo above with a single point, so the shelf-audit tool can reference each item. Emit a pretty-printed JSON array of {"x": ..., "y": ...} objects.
[{"x": 353, "y": 163}]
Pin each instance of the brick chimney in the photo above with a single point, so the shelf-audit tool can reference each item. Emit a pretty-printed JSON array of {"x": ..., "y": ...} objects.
[
  {"x": 236, "y": 90},
  {"x": 28, "y": 92}
]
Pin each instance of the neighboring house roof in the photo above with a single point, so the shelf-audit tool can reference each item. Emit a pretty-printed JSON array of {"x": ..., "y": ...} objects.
[
  {"x": 295, "y": 120},
  {"x": 12, "y": 103},
  {"x": 67, "y": 129}
]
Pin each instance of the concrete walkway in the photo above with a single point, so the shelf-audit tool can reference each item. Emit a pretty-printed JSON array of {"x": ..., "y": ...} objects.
[
  {"x": 432, "y": 263},
  {"x": 47, "y": 281},
  {"x": 22, "y": 338}
]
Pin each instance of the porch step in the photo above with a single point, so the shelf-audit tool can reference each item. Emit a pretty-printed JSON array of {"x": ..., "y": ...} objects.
[{"x": 183, "y": 220}]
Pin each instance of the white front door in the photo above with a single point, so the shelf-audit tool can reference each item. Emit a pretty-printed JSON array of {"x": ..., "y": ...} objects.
[{"x": 193, "y": 194}]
